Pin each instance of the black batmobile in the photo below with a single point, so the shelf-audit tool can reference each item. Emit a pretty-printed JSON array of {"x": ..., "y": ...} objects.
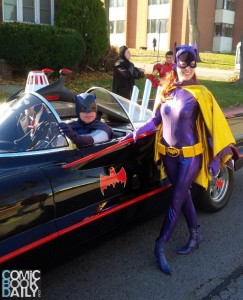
[{"x": 53, "y": 195}]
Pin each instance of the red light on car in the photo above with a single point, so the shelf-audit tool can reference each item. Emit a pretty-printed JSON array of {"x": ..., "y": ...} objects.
[
  {"x": 52, "y": 98},
  {"x": 65, "y": 71},
  {"x": 47, "y": 71}
]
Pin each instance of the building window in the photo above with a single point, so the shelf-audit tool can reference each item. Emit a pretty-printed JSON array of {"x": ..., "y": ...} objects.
[
  {"x": 45, "y": 12},
  {"x": 151, "y": 26},
  {"x": 117, "y": 26},
  {"x": 120, "y": 26},
  {"x": 156, "y": 2},
  {"x": 116, "y": 3},
  {"x": 226, "y": 4},
  {"x": 223, "y": 29},
  {"x": 112, "y": 26},
  {"x": 10, "y": 10},
  {"x": 31, "y": 11},
  {"x": 28, "y": 11},
  {"x": 157, "y": 26}
]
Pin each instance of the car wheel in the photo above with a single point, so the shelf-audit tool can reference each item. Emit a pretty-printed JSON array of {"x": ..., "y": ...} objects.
[{"x": 218, "y": 193}]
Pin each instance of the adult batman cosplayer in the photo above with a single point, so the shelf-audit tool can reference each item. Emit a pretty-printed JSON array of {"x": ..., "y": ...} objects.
[
  {"x": 82, "y": 132},
  {"x": 192, "y": 142}
]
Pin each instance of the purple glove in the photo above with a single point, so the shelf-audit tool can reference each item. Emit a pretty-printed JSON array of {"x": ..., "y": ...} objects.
[
  {"x": 214, "y": 167},
  {"x": 128, "y": 136},
  {"x": 149, "y": 126}
]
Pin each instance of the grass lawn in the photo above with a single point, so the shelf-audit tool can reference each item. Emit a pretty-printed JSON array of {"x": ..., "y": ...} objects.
[
  {"x": 228, "y": 94},
  {"x": 209, "y": 60}
]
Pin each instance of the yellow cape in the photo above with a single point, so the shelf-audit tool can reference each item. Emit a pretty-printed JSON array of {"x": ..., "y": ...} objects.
[{"x": 212, "y": 118}]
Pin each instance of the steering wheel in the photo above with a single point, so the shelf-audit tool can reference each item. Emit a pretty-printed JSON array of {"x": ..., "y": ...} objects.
[
  {"x": 45, "y": 135},
  {"x": 40, "y": 133}
]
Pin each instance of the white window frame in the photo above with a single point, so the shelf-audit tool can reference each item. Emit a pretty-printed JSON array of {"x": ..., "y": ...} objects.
[
  {"x": 37, "y": 12},
  {"x": 115, "y": 26},
  {"x": 160, "y": 25},
  {"x": 117, "y": 3},
  {"x": 158, "y": 2},
  {"x": 226, "y": 4}
]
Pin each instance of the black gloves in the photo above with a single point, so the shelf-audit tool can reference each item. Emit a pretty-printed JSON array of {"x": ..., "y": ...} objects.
[{"x": 66, "y": 130}]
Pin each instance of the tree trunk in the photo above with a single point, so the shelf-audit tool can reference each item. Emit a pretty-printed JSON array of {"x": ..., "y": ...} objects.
[
  {"x": 106, "y": 4},
  {"x": 241, "y": 62},
  {"x": 194, "y": 34}
]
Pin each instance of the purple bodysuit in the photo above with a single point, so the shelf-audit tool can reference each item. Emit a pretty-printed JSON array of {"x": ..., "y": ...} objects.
[{"x": 178, "y": 116}]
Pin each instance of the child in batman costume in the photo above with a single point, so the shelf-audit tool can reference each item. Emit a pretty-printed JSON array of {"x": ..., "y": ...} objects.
[
  {"x": 192, "y": 143},
  {"x": 87, "y": 130}
]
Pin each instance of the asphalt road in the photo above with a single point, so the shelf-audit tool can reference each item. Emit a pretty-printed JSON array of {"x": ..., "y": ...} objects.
[{"x": 123, "y": 267}]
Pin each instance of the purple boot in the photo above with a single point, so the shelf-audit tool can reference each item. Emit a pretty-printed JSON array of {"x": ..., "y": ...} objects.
[
  {"x": 193, "y": 243},
  {"x": 159, "y": 252}
]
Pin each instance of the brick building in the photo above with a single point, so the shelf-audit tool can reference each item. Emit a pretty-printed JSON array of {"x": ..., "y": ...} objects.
[
  {"x": 30, "y": 11},
  {"x": 136, "y": 22}
]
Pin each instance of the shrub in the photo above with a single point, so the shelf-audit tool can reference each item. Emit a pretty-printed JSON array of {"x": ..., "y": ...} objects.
[
  {"x": 89, "y": 18},
  {"x": 106, "y": 62},
  {"x": 27, "y": 46}
]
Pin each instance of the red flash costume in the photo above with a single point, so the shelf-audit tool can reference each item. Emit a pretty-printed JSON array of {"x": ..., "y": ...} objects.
[{"x": 161, "y": 70}]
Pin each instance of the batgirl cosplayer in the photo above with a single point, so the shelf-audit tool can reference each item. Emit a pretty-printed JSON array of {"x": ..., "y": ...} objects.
[{"x": 192, "y": 143}]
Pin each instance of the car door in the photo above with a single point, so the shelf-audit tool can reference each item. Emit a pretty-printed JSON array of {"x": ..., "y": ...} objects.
[
  {"x": 101, "y": 179},
  {"x": 97, "y": 185}
]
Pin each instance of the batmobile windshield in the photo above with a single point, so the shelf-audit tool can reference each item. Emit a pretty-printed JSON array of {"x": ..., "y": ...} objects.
[
  {"x": 120, "y": 109},
  {"x": 29, "y": 124}
]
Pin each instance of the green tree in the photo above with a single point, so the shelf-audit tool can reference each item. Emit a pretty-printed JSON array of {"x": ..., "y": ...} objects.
[{"x": 89, "y": 18}]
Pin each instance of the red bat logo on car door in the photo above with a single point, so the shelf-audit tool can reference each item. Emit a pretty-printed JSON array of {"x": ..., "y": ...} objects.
[{"x": 112, "y": 179}]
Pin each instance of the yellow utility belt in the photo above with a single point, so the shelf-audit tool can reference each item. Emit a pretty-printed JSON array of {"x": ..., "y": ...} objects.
[{"x": 189, "y": 151}]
